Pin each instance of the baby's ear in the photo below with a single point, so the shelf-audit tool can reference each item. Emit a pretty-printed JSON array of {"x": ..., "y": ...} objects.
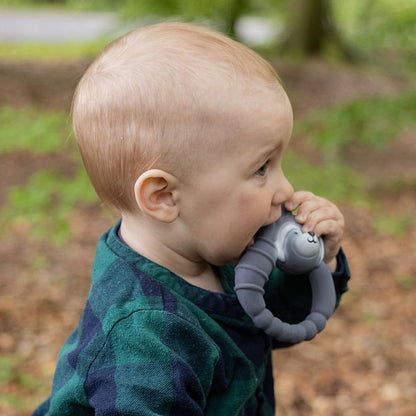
[{"x": 156, "y": 195}]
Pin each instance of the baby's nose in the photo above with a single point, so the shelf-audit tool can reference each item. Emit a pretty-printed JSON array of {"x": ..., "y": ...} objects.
[{"x": 283, "y": 192}]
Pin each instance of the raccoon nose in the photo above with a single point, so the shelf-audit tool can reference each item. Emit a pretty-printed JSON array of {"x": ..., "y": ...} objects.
[{"x": 312, "y": 238}]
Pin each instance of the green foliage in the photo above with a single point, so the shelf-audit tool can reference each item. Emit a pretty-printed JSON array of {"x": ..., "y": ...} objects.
[
  {"x": 380, "y": 28},
  {"x": 12, "y": 372},
  {"x": 45, "y": 204},
  {"x": 392, "y": 224},
  {"x": 6, "y": 368},
  {"x": 47, "y": 201},
  {"x": 371, "y": 318},
  {"x": 34, "y": 131},
  {"x": 381, "y": 23},
  {"x": 134, "y": 8},
  {"x": 369, "y": 26},
  {"x": 406, "y": 281},
  {"x": 52, "y": 52},
  {"x": 38, "y": 262},
  {"x": 333, "y": 180},
  {"x": 372, "y": 121},
  {"x": 186, "y": 8},
  {"x": 71, "y": 4}
]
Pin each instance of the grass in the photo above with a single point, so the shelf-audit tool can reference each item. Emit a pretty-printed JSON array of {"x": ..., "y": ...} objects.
[
  {"x": 38, "y": 132},
  {"x": 14, "y": 380},
  {"x": 373, "y": 122},
  {"x": 406, "y": 281},
  {"x": 46, "y": 202},
  {"x": 332, "y": 180},
  {"x": 393, "y": 225},
  {"x": 51, "y": 52}
]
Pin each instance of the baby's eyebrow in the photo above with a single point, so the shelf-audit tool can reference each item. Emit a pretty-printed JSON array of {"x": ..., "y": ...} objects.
[{"x": 267, "y": 153}]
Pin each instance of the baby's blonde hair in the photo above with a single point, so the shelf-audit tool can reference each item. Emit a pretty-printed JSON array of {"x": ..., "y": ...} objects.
[{"x": 141, "y": 102}]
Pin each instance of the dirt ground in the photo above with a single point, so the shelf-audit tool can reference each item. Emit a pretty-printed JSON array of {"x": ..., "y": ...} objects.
[{"x": 364, "y": 363}]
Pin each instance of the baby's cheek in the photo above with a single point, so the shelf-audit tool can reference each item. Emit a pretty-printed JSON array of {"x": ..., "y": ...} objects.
[{"x": 253, "y": 203}]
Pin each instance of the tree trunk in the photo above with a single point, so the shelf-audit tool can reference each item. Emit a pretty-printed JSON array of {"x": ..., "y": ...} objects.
[
  {"x": 311, "y": 27},
  {"x": 306, "y": 28}
]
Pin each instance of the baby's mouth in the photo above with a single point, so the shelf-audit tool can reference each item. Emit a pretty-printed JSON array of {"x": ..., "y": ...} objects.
[{"x": 251, "y": 243}]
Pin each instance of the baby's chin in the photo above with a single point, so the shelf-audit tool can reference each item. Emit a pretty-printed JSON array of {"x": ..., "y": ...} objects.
[{"x": 236, "y": 260}]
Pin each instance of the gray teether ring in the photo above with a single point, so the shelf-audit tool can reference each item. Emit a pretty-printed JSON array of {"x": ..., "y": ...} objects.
[{"x": 283, "y": 244}]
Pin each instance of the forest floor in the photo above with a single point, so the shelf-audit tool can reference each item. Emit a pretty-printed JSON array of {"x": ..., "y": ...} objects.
[{"x": 364, "y": 363}]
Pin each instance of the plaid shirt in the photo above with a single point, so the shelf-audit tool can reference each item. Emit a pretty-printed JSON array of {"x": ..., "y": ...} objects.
[{"x": 149, "y": 343}]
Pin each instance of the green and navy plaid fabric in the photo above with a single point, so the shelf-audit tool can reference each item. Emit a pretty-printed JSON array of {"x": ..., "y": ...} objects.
[{"x": 149, "y": 343}]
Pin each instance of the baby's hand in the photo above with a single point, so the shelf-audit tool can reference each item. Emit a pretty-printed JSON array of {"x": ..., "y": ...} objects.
[{"x": 323, "y": 218}]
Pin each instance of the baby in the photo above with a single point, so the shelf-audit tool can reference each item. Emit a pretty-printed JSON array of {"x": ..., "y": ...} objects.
[{"x": 182, "y": 131}]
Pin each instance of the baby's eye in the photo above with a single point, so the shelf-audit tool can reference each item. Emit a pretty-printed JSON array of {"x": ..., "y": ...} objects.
[{"x": 263, "y": 170}]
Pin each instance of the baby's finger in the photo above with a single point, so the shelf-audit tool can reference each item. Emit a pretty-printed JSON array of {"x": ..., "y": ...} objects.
[
  {"x": 316, "y": 214},
  {"x": 332, "y": 229},
  {"x": 298, "y": 198},
  {"x": 332, "y": 232}
]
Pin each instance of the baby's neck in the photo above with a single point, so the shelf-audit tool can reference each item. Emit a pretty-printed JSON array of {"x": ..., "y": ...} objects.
[
  {"x": 198, "y": 273},
  {"x": 208, "y": 280}
]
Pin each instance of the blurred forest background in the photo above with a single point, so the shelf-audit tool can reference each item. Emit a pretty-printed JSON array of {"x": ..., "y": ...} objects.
[{"x": 349, "y": 69}]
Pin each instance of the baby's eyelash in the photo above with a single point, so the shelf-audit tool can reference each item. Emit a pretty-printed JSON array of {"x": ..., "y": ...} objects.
[{"x": 263, "y": 169}]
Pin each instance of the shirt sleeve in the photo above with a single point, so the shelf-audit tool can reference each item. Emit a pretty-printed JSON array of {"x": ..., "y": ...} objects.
[
  {"x": 148, "y": 366},
  {"x": 289, "y": 297}
]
